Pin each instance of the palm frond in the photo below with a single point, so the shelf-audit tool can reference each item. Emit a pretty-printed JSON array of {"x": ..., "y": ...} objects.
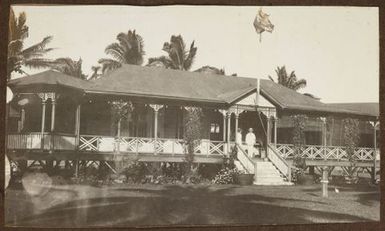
[
  {"x": 299, "y": 84},
  {"x": 190, "y": 57},
  {"x": 38, "y": 48},
  {"x": 116, "y": 51},
  {"x": 109, "y": 64},
  {"x": 38, "y": 63},
  {"x": 161, "y": 61}
]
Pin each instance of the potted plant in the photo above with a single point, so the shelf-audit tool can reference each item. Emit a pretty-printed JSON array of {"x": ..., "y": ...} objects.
[{"x": 244, "y": 178}]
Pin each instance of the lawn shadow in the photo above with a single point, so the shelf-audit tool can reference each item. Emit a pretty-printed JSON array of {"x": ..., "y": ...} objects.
[{"x": 178, "y": 205}]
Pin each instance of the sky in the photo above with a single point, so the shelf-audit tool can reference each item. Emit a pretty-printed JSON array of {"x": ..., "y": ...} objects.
[{"x": 336, "y": 49}]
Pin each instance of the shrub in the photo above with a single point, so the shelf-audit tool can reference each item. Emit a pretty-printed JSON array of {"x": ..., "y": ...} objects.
[
  {"x": 226, "y": 176},
  {"x": 135, "y": 172}
]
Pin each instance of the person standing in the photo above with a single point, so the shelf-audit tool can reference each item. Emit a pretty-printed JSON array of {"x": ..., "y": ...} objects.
[
  {"x": 238, "y": 139},
  {"x": 250, "y": 141}
]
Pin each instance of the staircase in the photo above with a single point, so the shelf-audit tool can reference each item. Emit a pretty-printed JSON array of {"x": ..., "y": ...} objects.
[
  {"x": 274, "y": 171},
  {"x": 267, "y": 174}
]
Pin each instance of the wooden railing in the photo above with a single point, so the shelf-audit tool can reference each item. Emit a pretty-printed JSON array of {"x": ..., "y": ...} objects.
[
  {"x": 318, "y": 152},
  {"x": 147, "y": 145},
  {"x": 64, "y": 141},
  {"x": 33, "y": 141},
  {"x": 280, "y": 163},
  {"x": 247, "y": 163}
]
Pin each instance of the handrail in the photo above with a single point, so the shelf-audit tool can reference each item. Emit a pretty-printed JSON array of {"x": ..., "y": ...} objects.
[
  {"x": 250, "y": 166},
  {"x": 278, "y": 161},
  {"x": 321, "y": 146}
]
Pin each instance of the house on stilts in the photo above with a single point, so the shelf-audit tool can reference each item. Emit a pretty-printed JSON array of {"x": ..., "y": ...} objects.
[{"x": 54, "y": 117}]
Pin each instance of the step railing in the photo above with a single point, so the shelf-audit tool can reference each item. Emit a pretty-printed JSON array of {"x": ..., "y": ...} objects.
[
  {"x": 280, "y": 163},
  {"x": 247, "y": 163}
]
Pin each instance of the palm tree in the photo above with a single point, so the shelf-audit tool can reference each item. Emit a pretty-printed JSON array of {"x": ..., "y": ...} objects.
[
  {"x": 95, "y": 72},
  {"x": 289, "y": 81},
  {"x": 178, "y": 57},
  {"x": 69, "y": 67},
  {"x": 129, "y": 50},
  {"x": 18, "y": 57}
]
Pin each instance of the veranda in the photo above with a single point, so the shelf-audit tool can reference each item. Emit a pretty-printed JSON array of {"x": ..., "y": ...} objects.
[{"x": 60, "y": 118}]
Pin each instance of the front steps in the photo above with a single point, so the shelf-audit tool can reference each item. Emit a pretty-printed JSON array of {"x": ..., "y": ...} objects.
[{"x": 267, "y": 174}]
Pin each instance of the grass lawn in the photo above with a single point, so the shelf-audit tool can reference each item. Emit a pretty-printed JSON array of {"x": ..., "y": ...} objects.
[{"x": 149, "y": 205}]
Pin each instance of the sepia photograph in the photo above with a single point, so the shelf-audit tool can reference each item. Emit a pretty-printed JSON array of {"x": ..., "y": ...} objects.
[{"x": 191, "y": 115}]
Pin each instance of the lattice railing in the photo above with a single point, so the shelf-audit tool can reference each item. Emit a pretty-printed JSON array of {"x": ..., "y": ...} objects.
[
  {"x": 147, "y": 145},
  {"x": 317, "y": 152}
]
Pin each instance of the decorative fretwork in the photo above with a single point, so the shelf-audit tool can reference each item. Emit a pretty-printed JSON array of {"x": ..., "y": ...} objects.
[
  {"x": 156, "y": 107},
  {"x": 47, "y": 95},
  {"x": 143, "y": 145},
  {"x": 268, "y": 112},
  {"x": 318, "y": 152}
]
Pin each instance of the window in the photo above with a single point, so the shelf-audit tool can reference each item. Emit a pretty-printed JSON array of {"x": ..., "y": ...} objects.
[{"x": 214, "y": 128}]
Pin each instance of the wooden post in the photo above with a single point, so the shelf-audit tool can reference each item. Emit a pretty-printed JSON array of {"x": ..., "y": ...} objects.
[
  {"x": 53, "y": 109},
  {"x": 22, "y": 119},
  {"x": 323, "y": 119},
  {"x": 76, "y": 168},
  {"x": 275, "y": 130},
  {"x": 325, "y": 181},
  {"x": 156, "y": 108},
  {"x": 118, "y": 137},
  {"x": 77, "y": 126},
  {"x": 228, "y": 131},
  {"x": 374, "y": 152},
  {"x": 236, "y": 125},
  {"x": 223, "y": 112},
  {"x": 156, "y": 124},
  {"x": 268, "y": 137},
  {"x": 44, "y": 101}
]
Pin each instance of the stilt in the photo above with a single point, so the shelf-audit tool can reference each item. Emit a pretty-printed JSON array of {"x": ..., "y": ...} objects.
[
  {"x": 76, "y": 168},
  {"x": 311, "y": 170},
  {"x": 325, "y": 181}
]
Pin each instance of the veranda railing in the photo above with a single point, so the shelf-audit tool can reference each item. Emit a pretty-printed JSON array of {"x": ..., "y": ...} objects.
[
  {"x": 147, "y": 145},
  {"x": 37, "y": 140},
  {"x": 319, "y": 152}
]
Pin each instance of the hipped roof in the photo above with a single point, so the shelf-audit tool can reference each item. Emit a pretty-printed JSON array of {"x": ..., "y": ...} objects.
[{"x": 161, "y": 83}]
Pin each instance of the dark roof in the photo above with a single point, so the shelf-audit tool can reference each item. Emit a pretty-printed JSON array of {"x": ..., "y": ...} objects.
[
  {"x": 287, "y": 99},
  {"x": 372, "y": 109},
  {"x": 173, "y": 84},
  {"x": 48, "y": 79},
  {"x": 161, "y": 83}
]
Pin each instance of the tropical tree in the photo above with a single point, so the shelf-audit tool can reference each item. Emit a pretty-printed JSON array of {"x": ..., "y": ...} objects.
[
  {"x": 95, "y": 72},
  {"x": 289, "y": 81},
  {"x": 128, "y": 50},
  {"x": 178, "y": 57},
  {"x": 210, "y": 70},
  {"x": 69, "y": 67},
  {"x": 18, "y": 56}
]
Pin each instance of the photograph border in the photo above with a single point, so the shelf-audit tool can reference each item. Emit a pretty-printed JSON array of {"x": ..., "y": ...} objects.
[{"x": 368, "y": 226}]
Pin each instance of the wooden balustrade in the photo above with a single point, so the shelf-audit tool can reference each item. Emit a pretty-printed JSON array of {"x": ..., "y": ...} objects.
[
  {"x": 279, "y": 162},
  {"x": 247, "y": 163},
  {"x": 318, "y": 152},
  {"x": 32, "y": 141},
  {"x": 147, "y": 145}
]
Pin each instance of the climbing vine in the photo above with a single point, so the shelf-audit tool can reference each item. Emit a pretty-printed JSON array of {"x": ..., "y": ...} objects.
[{"x": 299, "y": 122}]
